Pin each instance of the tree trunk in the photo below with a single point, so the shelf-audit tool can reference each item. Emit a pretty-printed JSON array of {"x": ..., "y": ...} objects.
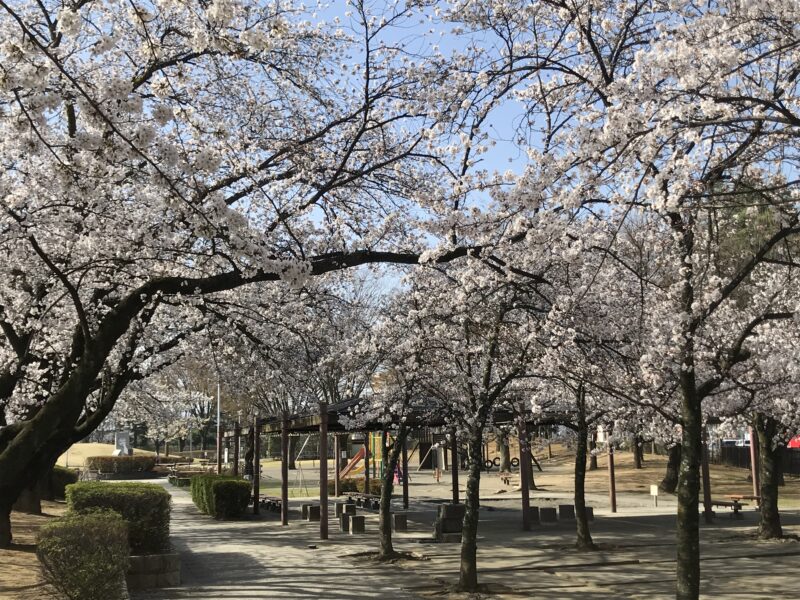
[
  {"x": 637, "y": 452},
  {"x": 292, "y": 452},
  {"x": 468, "y": 576},
  {"x": 584, "y": 541},
  {"x": 670, "y": 482},
  {"x": 502, "y": 448},
  {"x": 29, "y": 501},
  {"x": 5, "y": 524},
  {"x": 688, "y": 523},
  {"x": 389, "y": 459},
  {"x": 769, "y": 457},
  {"x": 592, "y": 448}
]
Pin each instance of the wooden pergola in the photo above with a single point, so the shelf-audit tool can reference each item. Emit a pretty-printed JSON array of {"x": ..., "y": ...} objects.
[{"x": 328, "y": 420}]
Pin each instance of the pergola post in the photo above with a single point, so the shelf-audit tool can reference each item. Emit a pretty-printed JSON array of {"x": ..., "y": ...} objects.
[
  {"x": 285, "y": 470},
  {"x": 454, "y": 465},
  {"x": 336, "y": 484},
  {"x": 323, "y": 472},
  {"x": 405, "y": 473},
  {"x": 256, "y": 463},
  {"x": 524, "y": 472},
  {"x": 237, "y": 432},
  {"x": 366, "y": 462}
]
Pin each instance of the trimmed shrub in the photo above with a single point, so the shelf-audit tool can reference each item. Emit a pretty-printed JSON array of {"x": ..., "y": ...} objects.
[
  {"x": 231, "y": 497},
  {"x": 171, "y": 460},
  {"x": 61, "y": 477},
  {"x": 144, "y": 506},
  {"x": 85, "y": 556},
  {"x": 221, "y": 496},
  {"x": 356, "y": 485},
  {"x": 121, "y": 464}
]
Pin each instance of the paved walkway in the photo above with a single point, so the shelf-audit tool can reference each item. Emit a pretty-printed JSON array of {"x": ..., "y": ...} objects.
[{"x": 258, "y": 558}]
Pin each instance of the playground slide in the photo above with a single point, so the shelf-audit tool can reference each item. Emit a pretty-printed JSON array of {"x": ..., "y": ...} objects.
[{"x": 353, "y": 462}]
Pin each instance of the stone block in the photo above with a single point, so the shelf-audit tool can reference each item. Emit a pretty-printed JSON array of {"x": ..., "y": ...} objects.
[
  {"x": 566, "y": 512},
  {"x": 344, "y": 523},
  {"x": 450, "y": 538},
  {"x": 304, "y": 510},
  {"x": 313, "y": 512},
  {"x": 399, "y": 522},
  {"x": 590, "y": 513},
  {"x": 547, "y": 514},
  {"x": 349, "y": 509},
  {"x": 451, "y": 524},
  {"x": 340, "y": 508},
  {"x": 452, "y": 510},
  {"x": 533, "y": 513},
  {"x": 357, "y": 524}
]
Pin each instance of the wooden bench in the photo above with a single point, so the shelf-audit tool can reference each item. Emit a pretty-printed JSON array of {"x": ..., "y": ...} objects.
[
  {"x": 740, "y": 497},
  {"x": 736, "y": 505},
  {"x": 271, "y": 503},
  {"x": 370, "y": 501}
]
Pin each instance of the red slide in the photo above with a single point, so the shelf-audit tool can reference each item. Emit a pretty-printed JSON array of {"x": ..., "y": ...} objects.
[{"x": 352, "y": 464}]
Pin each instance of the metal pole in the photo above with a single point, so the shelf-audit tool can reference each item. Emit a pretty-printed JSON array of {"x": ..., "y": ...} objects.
[
  {"x": 612, "y": 484},
  {"x": 219, "y": 433},
  {"x": 323, "y": 472},
  {"x": 405, "y": 474},
  {"x": 524, "y": 472},
  {"x": 256, "y": 464},
  {"x": 454, "y": 466}
]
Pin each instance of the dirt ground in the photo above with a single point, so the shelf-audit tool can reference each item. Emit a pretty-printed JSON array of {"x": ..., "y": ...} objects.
[{"x": 19, "y": 575}]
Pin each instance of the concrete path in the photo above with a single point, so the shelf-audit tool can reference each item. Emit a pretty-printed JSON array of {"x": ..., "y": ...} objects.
[{"x": 258, "y": 558}]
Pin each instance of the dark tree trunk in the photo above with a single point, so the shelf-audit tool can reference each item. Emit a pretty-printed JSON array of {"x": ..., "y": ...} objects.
[
  {"x": 292, "y": 452},
  {"x": 30, "y": 500},
  {"x": 468, "y": 575},
  {"x": 593, "y": 448},
  {"x": 638, "y": 451},
  {"x": 503, "y": 450},
  {"x": 688, "y": 523},
  {"x": 249, "y": 452},
  {"x": 584, "y": 541},
  {"x": 769, "y": 458},
  {"x": 670, "y": 482},
  {"x": 389, "y": 459},
  {"x": 5, "y": 524}
]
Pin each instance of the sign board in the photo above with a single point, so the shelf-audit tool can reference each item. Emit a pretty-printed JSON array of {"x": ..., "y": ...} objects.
[
  {"x": 122, "y": 443},
  {"x": 344, "y": 453},
  {"x": 654, "y": 490}
]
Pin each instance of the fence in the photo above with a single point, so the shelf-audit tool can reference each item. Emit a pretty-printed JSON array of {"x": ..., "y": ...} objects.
[{"x": 739, "y": 456}]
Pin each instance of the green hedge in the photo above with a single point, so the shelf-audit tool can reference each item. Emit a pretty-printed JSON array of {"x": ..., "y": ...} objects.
[
  {"x": 121, "y": 464},
  {"x": 356, "y": 485},
  {"x": 171, "y": 460},
  {"x": 145, "y": 507},
  {"x": 60, "y": 478},
  {"x": 85, "y": 556},
  {"x": 221, "y": 496}
]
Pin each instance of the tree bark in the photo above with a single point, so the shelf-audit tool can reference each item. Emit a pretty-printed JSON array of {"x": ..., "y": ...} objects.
[
  {"x": 584, "y": 541},
  {"x": 5, "y": 523},
  {"x": 688, "y": 523},
  {"x": 769, "y": 457},
  {"x": 592, "y": 448},
  {"x": 292, "y": 453},
  {"x": 504, "y": 451},
  {"x": 468, "y": 575},
  {"x": 637, "y": 452},
  {"x": 389, "y": 458},
  {"x": 670, "y": 482}
]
